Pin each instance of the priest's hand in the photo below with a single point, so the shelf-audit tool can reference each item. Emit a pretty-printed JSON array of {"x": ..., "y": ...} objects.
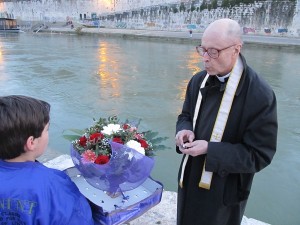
[
  {"x": 184, "y": 136},
  {"x": 195, "y": 148}
]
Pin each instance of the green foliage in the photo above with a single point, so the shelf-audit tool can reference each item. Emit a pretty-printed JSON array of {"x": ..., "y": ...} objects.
[
  {"x": 174, "y": 9},
  {"x": 182, "y": 7},
  {"x": 248, "y": 2},
  {"x": 203, "y": 6},
  {"x": 155, "y": 141},
  {"x": 209, "y": 7},
  {"x": 225, "y": 4},
  {"x": 128, "y": 131},
  {"x": 232, "y": 3},
  {"x": 193, "y": 8},
  {"x": 214, "y": 4},
  {"x": 71, "y": 137}
]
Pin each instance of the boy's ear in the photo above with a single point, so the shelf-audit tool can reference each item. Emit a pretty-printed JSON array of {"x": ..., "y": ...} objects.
[{"x": 30, "y": 144}]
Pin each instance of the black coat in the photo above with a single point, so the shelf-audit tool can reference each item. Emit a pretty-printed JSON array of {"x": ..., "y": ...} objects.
[{"x": 248, "y": 145}]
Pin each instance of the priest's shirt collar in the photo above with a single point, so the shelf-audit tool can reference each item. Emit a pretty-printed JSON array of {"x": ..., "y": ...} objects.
[{"x": 223, "y": 79}]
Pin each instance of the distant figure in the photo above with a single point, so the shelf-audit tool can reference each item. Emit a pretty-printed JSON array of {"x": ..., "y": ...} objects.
[{"x": 191, "y": 33}]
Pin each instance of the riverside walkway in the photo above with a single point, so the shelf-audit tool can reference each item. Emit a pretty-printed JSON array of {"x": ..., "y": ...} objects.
[{"x": 178, "y": 36}]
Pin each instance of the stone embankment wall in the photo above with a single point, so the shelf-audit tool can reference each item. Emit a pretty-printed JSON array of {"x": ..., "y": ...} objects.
[{"x": 271, "y": 16}]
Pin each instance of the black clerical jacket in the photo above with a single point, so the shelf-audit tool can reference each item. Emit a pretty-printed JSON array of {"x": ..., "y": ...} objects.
[{"x": 248, "y": 145}]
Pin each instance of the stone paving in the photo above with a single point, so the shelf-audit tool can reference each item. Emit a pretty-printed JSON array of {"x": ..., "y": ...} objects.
[{"x": 163, "y": 213}]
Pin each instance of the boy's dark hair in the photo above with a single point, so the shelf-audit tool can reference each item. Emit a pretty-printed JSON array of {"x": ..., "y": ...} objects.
[{"x": 20, "y": 118}]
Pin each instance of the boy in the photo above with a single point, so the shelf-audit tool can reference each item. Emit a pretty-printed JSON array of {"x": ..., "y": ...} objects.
[{"x": 31, "y": 193}]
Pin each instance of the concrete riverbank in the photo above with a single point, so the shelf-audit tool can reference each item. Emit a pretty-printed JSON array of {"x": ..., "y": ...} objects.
[
  {"x": 164, "y": 213},
  {"x": 287, "y": 42}
]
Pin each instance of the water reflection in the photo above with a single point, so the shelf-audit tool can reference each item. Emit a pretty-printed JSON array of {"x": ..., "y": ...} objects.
[
  {"x": 1, "y": 55},
  {"x": 108, "y": 69},
  {"x": 2, "y": 75},
  {"x": 193, "y": 62},
  {"x": 190, "y": 65}
]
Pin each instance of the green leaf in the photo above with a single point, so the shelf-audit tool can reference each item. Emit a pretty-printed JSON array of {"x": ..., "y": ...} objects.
[
  {"x": 76, "y": 131},
  {"x": 71, "y": 137},
  {"x": 160, "y": 147},
  {"x": 159, "y": 139}
]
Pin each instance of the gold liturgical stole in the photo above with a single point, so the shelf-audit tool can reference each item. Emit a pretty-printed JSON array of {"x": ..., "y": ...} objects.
[{"x": 221, "y": 119}]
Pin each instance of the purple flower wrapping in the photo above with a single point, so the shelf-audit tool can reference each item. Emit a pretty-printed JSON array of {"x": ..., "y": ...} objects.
[{"x": 126, "y": 170}]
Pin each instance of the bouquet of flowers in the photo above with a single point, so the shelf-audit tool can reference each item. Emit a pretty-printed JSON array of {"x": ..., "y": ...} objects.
[{"x": 112, "y": 155}]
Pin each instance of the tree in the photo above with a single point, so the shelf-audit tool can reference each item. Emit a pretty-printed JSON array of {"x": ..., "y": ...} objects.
[
  {"x": 203, "y": 6},
  {"x": 225, "y": 4},
  {"x": 182, "y": 7},
  {"x": 214, "y": 4},
  {"x": 174, "y": 9}
]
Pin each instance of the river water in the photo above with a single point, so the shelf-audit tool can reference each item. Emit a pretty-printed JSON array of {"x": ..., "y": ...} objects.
[{"x": 85, "y": 77}]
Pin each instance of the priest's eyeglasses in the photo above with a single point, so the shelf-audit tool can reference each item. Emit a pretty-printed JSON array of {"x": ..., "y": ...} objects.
[{"x": 212, "y": 52}]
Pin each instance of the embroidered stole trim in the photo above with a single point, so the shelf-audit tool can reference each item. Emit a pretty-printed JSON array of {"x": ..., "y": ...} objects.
[
  {"x": 197, "y": 108},
  {"x": 221, "y": 119}
]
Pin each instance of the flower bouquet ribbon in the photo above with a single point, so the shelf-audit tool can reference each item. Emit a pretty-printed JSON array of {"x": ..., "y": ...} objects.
[{"x": 126, "y": 170}]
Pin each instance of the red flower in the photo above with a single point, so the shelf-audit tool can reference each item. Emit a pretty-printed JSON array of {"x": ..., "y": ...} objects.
[
  {"x": 89, "y": 155},
  {"x": 144, "y": 143},
  {"x": 118, "y": 140},
  {"x": 126, "y": 126},
  {"x": 95, "y": 136},
  {"x": 139, "y": 136},
  {"x": 102, "y": 159},
  {"x": 82, "y": 141}
]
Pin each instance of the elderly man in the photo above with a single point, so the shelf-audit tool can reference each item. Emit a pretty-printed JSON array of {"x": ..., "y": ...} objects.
[{"x": 227, "y": 131}]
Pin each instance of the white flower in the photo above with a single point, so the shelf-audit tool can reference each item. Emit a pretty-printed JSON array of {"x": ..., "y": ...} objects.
[
  {"x": 136, "y": 146},
  {"x": 111, "y": 129}
]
